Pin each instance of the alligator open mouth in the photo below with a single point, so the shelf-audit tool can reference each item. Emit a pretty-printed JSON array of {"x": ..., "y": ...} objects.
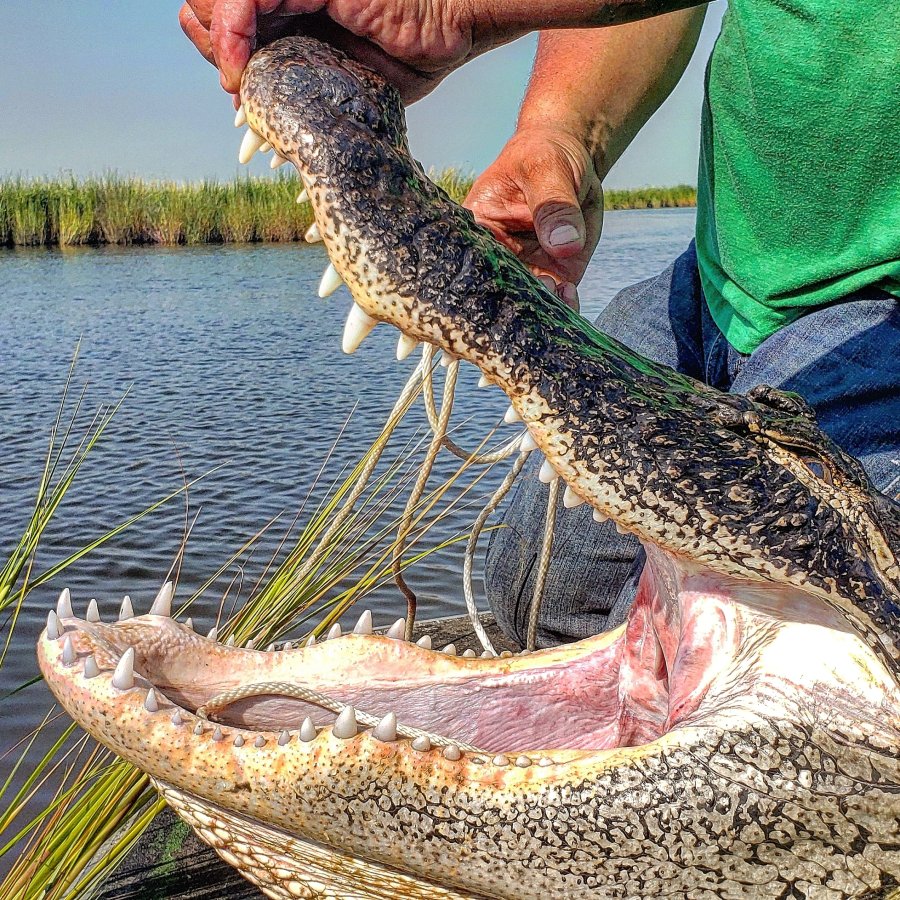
[{"x": 737, "y": 736}]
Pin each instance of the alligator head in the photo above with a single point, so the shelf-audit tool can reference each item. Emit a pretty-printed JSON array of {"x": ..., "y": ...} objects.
[{"x": 737, "y": 736}]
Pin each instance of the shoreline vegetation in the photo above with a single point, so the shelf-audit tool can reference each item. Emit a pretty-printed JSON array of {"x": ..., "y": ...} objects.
[{"x": 120, "y": 210}]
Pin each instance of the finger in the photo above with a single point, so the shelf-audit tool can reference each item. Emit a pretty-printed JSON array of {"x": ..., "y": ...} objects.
[
  {"x": 195, "y": 31},
  {"x": 202, "y": 10},
  {"x": 558, "y": 221}
]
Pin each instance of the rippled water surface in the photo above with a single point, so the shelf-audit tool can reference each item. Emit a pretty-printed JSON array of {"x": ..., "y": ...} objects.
[{"x": 231, "y": 364}]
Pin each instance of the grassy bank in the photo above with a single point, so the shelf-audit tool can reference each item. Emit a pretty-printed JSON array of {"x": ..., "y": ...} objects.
[{"x": 115, "y": 210}]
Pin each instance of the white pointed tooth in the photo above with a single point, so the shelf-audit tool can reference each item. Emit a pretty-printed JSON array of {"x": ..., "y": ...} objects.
[
  {"x": 91, "y": 669},
  {"x": 598, "y": 516},
  {"x": 505, "y": 654},
  {"x": 250, "y": 644},
  {"x": 287, "y": 646},
  {"x": 303, "y": 196},
  {"x": 271, "y": 648},
  {"x": 450, "y": 650},
  {"x": 230, "y": 641},
  {"x": 217, "y": 733},
  {"x": 68, "y": 652},
  {"x": 486, "y": 654},
  {"x": 447, "y": 358},
  {"x": 213, "y": 634},
  {"x": 259, "y": 742},
  {"x": 330, "y": 282},
  {"x": 307, "y": 730},
  {"x": 451, "y": 752},
  {"x": 527, "y": 443},
  {"x": 151, "y": 704},
  {"x": 177, "y": 718},
  {"x": 511, "y": 416},
  {"x": 359, "y": 324},
  {"x": 162, "y": 604},
  {"x": 240, "y": 118},
  {"x": 386, "y": 729},
  {"x": 484, "y": 381},
  {"x": 545, "y": 761},
  {"x": 123, "y": 677},
  {"x": 284, "y": 738},
  {"x": 523, "y": 762},
  {"x": 239, "y": 741},
  {"x": 313, "y": 235},
  {"x": 422, "y": 744},
  {"x": 469, "y": 654},
  {"x": 277, "y": 161},
  {"x": 424, "y": 642},
  {"x": 93, "y": 612},
  {"x": 405, "y": 346},
  {"x": 547, "y": 473},
  {"x": 310, "y": 641},
  {"x": 126, "y": 611},
  {"x": 397, "y": 631},
  {"x": 621, "y": 530},
  {"x": 53, "y": 630},
  {"x": 64, "y": 604},
  {"x": 500, "y": 761},
  {"x": 363, "y": 623},
  {"x": 345, "y": 724},
  {"x": 189, "y": 623},
  {"x": 333, "y": 632},
  {"x": 198, "y": 729},
  {"x": 249, "y": 145},
  {"x": 571, "y": 500},
  {"x": 265, "y": 147}
]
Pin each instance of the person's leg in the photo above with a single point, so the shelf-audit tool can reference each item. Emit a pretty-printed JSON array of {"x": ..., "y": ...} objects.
[
  {"x": 844, "y": 360},
  {"x": 593, "y": 570}
]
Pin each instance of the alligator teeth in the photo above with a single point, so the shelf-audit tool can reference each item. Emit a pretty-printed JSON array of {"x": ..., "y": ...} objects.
[
  {"x": 451, "y": 752},
  {"x": 363, "y": 623},
  {"x": 450, "y": 650},
  {"x": 469, "y": 654},
  {"x": 359, "y": 324},
  {"x": 310, "y": 641},
  {"x": 511, "y": 416},
  {"x": 486, "y": 654},
  {"x": 333, "y": 632},
  {"x": 484, "y": 381},
  {"x": 505, "y": 654},
  {"x": 271, "y": 648},
  {"x": 217, "y": 733},
  {"x": 126, "y": 610},
  {"x": 622, "y": 530},
  {"x": 189, "y": 623},
  {"x": 212, "y": 634},
  {"x": 500, "y": 761},
  {"x": 307, "y": 730},
  {"x": 386, "y": 729},
  {"x": 523, "y": 762},
  {"x": 177, "y": 719},
  {"x": 277, "y": 161},
  {"x": 424, "y": 642},
  {"x": 249, "y": 145},
  {"x": 162, "y": 605},
  {"x": 284, "y": 738},
  {"x": 123, "y": 677},
  {"x": 239, "y": 741},
  {"x": 230, "y": 641},
  {"x": 345, "y": 725},
  {"x": 330, "y": 282},
  {"x": 422, "y": 744},
  {"x": 397, "y": 631},
  {"x": 527, "y": 443},
  {"x": 53, "y": 631},
  {"x": 259, "y": 742},
  {"x": 447, "y": 358},
  {"x": 240, "y": 118},
  {"x": 91, "y": 669},
  {"x": 598, "y": 516},
  {"x": 545, "y": 761},
  {"x": 68, "y": 652},
  {"x": 287, "y": 646},
  {"x": 150, "y": 703},
  {"x": 250, "y": 644},
  {"x": 64, "y": 604},
  {"x": 198, "y": 729},
  {"x": 547, "y": 473},
  {"x": 571, "y": 499},
  {"x": 93, "y": 612},
  {"x": 265, "y": 147},
  {"x": 313, "y": 235},
  {"x": 405, "y": 346},
  {"x": 303, "y": 197}
]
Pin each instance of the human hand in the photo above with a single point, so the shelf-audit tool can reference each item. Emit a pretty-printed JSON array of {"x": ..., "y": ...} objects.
[
  {"x": 542, "y": 198},
  {"x": 413, "y": 43}
]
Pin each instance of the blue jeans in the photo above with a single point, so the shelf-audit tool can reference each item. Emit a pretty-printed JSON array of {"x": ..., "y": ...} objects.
[{"x": 844, "y": 359}]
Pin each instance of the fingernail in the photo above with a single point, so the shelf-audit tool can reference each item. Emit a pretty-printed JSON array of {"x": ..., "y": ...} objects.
[{"x": 563, "y": 234}]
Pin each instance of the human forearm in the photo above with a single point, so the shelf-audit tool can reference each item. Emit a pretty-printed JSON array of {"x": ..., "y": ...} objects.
[{"x": 602, "y": 85}]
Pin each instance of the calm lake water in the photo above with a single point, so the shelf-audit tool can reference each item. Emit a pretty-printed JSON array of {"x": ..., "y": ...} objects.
[{"x": 231, "y": 361}]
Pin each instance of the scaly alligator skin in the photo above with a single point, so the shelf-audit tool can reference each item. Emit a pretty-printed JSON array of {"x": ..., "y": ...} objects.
[{"x": 738, "y": 736}]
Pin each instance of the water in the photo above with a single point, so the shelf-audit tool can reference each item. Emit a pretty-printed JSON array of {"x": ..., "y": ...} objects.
[{"x": 231, "y": 361}]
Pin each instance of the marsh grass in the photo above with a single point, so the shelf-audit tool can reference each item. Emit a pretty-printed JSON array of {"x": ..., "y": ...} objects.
[{"x": 124, "y": 211}]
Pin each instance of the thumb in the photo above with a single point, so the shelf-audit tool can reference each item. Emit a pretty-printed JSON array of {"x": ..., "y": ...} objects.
[{"x": 558, "y": 221}]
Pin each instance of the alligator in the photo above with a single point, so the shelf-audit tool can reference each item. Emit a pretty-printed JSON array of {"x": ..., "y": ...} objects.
[{"x": 738, "y": 736}]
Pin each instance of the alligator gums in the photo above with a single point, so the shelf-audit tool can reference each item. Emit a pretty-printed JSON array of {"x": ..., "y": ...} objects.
[{"x": 738, "y": 736}]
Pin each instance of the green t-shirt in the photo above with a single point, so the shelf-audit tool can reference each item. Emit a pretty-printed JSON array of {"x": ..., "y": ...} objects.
[{"x": 799, "y": 187}]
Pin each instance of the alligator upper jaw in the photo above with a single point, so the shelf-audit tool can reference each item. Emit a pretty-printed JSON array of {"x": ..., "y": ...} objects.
[{"x": 697, "y": 650}]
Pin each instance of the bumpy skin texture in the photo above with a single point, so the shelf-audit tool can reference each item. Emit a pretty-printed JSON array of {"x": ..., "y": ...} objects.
[{"x": 722, "y": 479}]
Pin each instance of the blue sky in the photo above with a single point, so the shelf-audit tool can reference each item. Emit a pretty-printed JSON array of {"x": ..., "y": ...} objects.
[{"x": 94, "y": 86}]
